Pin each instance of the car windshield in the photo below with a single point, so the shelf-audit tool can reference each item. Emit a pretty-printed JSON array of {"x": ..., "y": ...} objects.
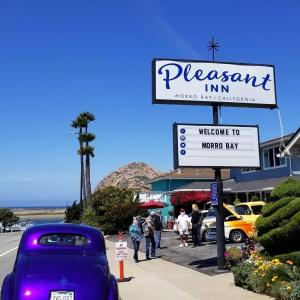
[
  {"x": 211, "y": 213},
  {"x": 62, "y": 239},
  {"x": 243, "y": 210},
  {"x": 257, "y": 209}
]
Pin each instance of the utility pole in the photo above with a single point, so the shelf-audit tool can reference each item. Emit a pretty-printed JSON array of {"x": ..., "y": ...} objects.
[{"x": 213, "y": 46}]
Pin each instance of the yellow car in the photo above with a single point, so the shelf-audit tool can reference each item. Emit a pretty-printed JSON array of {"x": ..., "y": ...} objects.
[
  {"x": 235, "y": 228},
  {"x": 249, "y": 211}
]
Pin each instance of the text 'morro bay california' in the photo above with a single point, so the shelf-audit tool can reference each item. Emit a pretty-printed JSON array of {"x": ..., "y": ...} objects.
[{"x": 208, "y": 83}]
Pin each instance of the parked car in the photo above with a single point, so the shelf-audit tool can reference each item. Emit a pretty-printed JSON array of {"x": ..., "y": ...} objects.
[
  {"x": 249, "y": 211},
  {"x": 60, "y": 262},
  {"x": 236, "y": 229}
]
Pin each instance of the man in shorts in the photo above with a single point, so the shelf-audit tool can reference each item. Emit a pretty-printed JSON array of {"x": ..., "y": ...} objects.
[{"x": 183, "y": 227}]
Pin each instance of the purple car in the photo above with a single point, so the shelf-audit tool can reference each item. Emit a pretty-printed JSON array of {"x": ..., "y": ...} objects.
[{"x": 61, "y": 262}]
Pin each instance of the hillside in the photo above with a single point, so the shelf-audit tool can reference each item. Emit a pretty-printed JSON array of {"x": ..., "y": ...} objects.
[{"x": 134, "y": 175}]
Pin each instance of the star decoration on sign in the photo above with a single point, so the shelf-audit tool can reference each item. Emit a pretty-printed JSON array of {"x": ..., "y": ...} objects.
[{"x": 213, "y": 46}]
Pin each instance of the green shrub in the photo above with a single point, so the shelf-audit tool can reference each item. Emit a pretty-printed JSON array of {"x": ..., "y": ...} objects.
[
  {"x": 236, "y": 201},
  {"x": 115, "y": 208},
  {"x": 291, "y": 187},
  {"x": 283, "y": 239},
  {"x": 279, "y": 218},
  {"x": 254, "y": 198},
  {"x": 242, "y": 273},
  {"x": 233, "y": 256},
  {"x": 89, "y": 217},
  {"x": 295, "y": 293},
  {"x": 270, "y": 208},
  {"x": 292, "y": 256},
  {"x": 72, "y": 213}
]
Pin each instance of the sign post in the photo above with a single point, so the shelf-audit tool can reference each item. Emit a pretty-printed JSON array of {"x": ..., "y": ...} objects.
[
  {"x": 121, "y": 253},
  {"x": 190, "y": 82}
]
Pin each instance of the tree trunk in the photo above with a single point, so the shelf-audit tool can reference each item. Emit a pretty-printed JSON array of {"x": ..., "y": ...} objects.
[
  {"x": 88, "y": 181},
  {"x": 88, "y": 177},
  {"x": 82, "y": 175}
]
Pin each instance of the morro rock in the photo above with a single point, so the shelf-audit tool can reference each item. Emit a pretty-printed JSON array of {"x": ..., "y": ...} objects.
[{"x": 134, "y": 175}]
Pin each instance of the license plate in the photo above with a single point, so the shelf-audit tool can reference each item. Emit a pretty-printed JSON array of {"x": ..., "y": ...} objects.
[{"x": 62, "y": 295}]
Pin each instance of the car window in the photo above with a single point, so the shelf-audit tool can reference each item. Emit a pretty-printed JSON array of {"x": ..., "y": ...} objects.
[
  {"x": 211, "y": 213},
  {"x": 243, "y": 210},
  {"x": 62, "y": 239},
  {"x": 257, "y": 209}
]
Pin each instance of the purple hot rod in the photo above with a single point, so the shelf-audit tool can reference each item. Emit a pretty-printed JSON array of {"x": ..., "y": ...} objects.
[{"x": 60, "y": 262}]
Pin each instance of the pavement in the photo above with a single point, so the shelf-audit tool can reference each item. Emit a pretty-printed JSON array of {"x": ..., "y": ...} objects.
[
  {"x": 202, "y": 259},
  {"x": 154, "y": 279},
  {"x": 161, "y": 279},
  {"x": 9, "y": 243}
]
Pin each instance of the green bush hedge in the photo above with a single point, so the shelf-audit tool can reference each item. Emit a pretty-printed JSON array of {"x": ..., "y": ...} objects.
[
  {"x": 291, "y": 187},
  {"x": 279, "y": 218},
  {"x": 293, "y": 256},
  {"x": 270, "y": 208},
  {"x": 283, "y": 239}
]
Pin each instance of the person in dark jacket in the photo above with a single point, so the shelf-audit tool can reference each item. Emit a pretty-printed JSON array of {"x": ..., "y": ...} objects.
[
  {"x": 149, "y": 237},
  {"x": 158, "y": 227},
  {"x": 197, "y": 219}
]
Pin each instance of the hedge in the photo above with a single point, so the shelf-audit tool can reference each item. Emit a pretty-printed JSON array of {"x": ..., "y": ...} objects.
[
  {"x": 291, "y": 187},
  {"x": 279, "y": 218},
  {"x": 270, "y": 208},
  {"x": 283, "y": 239},
  {"x": 293, "y": 256}
]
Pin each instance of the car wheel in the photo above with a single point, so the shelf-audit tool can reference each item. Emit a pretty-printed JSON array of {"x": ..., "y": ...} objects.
[
  {"x": 205, "y": 236},
  {"x": 236, "y": 236}
]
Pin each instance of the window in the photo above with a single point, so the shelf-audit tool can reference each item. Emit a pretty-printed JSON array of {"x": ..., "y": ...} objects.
[
  {"x": 249, "y": 170},
  {"x": 256, "y": 209},
  {"x": 63, "y": 239},
  {"x": 243, "y": 210},
  {"x": 272, "y": 158}
]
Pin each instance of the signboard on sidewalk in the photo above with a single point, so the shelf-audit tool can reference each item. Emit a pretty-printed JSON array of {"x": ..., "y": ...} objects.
[
  {"x": 221, "y": 146},
  {"x": 207, "y": 83},
  {"x": 121, "y": 250}
]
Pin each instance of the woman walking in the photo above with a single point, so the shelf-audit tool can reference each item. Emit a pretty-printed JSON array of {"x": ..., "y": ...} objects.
[
  {"x": 136, "y": 236},
  {"x": 196, "y": 225}
]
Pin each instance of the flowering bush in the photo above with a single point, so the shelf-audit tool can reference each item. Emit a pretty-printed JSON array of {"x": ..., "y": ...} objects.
[{"x": 273, "y": 277}]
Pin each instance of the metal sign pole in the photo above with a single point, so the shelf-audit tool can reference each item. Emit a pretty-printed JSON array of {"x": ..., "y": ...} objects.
[{"x": 218, "y": 208}]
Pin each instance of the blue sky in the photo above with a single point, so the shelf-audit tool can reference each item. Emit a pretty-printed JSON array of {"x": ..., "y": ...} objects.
[{"x": 61, "y": 57}]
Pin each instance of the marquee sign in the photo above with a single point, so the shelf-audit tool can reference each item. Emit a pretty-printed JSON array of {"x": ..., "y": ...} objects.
[
  {"x": 207, "y": 83},
  {"x": 221, "y": 146}
]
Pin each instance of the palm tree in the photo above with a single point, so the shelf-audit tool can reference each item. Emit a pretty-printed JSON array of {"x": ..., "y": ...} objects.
[
  {"x": 79, "y": 123},
  {"x": 88, "y": 151}
]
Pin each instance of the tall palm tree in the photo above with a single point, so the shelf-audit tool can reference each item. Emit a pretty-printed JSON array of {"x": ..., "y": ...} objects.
[
  {"x": 88, "y": 152},
  {"x": 79, "y": 123}
]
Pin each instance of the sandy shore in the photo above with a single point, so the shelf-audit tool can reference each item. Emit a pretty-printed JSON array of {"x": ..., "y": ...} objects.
[{"x": 39, "y": 213}]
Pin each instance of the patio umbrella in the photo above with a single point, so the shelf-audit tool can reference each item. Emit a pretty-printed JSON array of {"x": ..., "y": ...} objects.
[{"x": 151, "y": 204}]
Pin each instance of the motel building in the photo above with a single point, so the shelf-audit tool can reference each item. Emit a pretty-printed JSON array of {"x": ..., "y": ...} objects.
[{"x": 280, "y": 160}]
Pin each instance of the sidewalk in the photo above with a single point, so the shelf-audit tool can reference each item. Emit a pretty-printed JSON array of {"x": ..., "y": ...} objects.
[{"x": 160, "y": 279}]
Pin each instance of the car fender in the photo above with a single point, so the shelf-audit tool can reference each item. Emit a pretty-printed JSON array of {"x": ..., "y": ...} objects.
[
  {"x": 113, "y": 290},
  {"x": 7, "y": 287}
]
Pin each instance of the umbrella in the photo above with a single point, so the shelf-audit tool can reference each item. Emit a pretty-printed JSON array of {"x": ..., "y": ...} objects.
[{"x": 151, "y": 204}]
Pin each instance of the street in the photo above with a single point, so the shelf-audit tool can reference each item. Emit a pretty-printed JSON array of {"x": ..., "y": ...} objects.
[{"x": 9, "y": 243}]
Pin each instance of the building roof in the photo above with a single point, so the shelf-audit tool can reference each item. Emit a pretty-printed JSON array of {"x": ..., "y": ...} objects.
[
  {"x": 239, "y": 187},
  {"x": 277, "y": 140},
  {"x": 192, "y": 174},
  {"x": 292, "y": 147}
]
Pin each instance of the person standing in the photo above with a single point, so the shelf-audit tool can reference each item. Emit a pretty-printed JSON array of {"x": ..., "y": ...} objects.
[
  {"x": 158, "y": 226},
  {"x": 136, "y": 237},
  {"x": 183, "y": 227},
  {"x": 149, "y": 236},
  {"x": 196, "y": 225}
]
